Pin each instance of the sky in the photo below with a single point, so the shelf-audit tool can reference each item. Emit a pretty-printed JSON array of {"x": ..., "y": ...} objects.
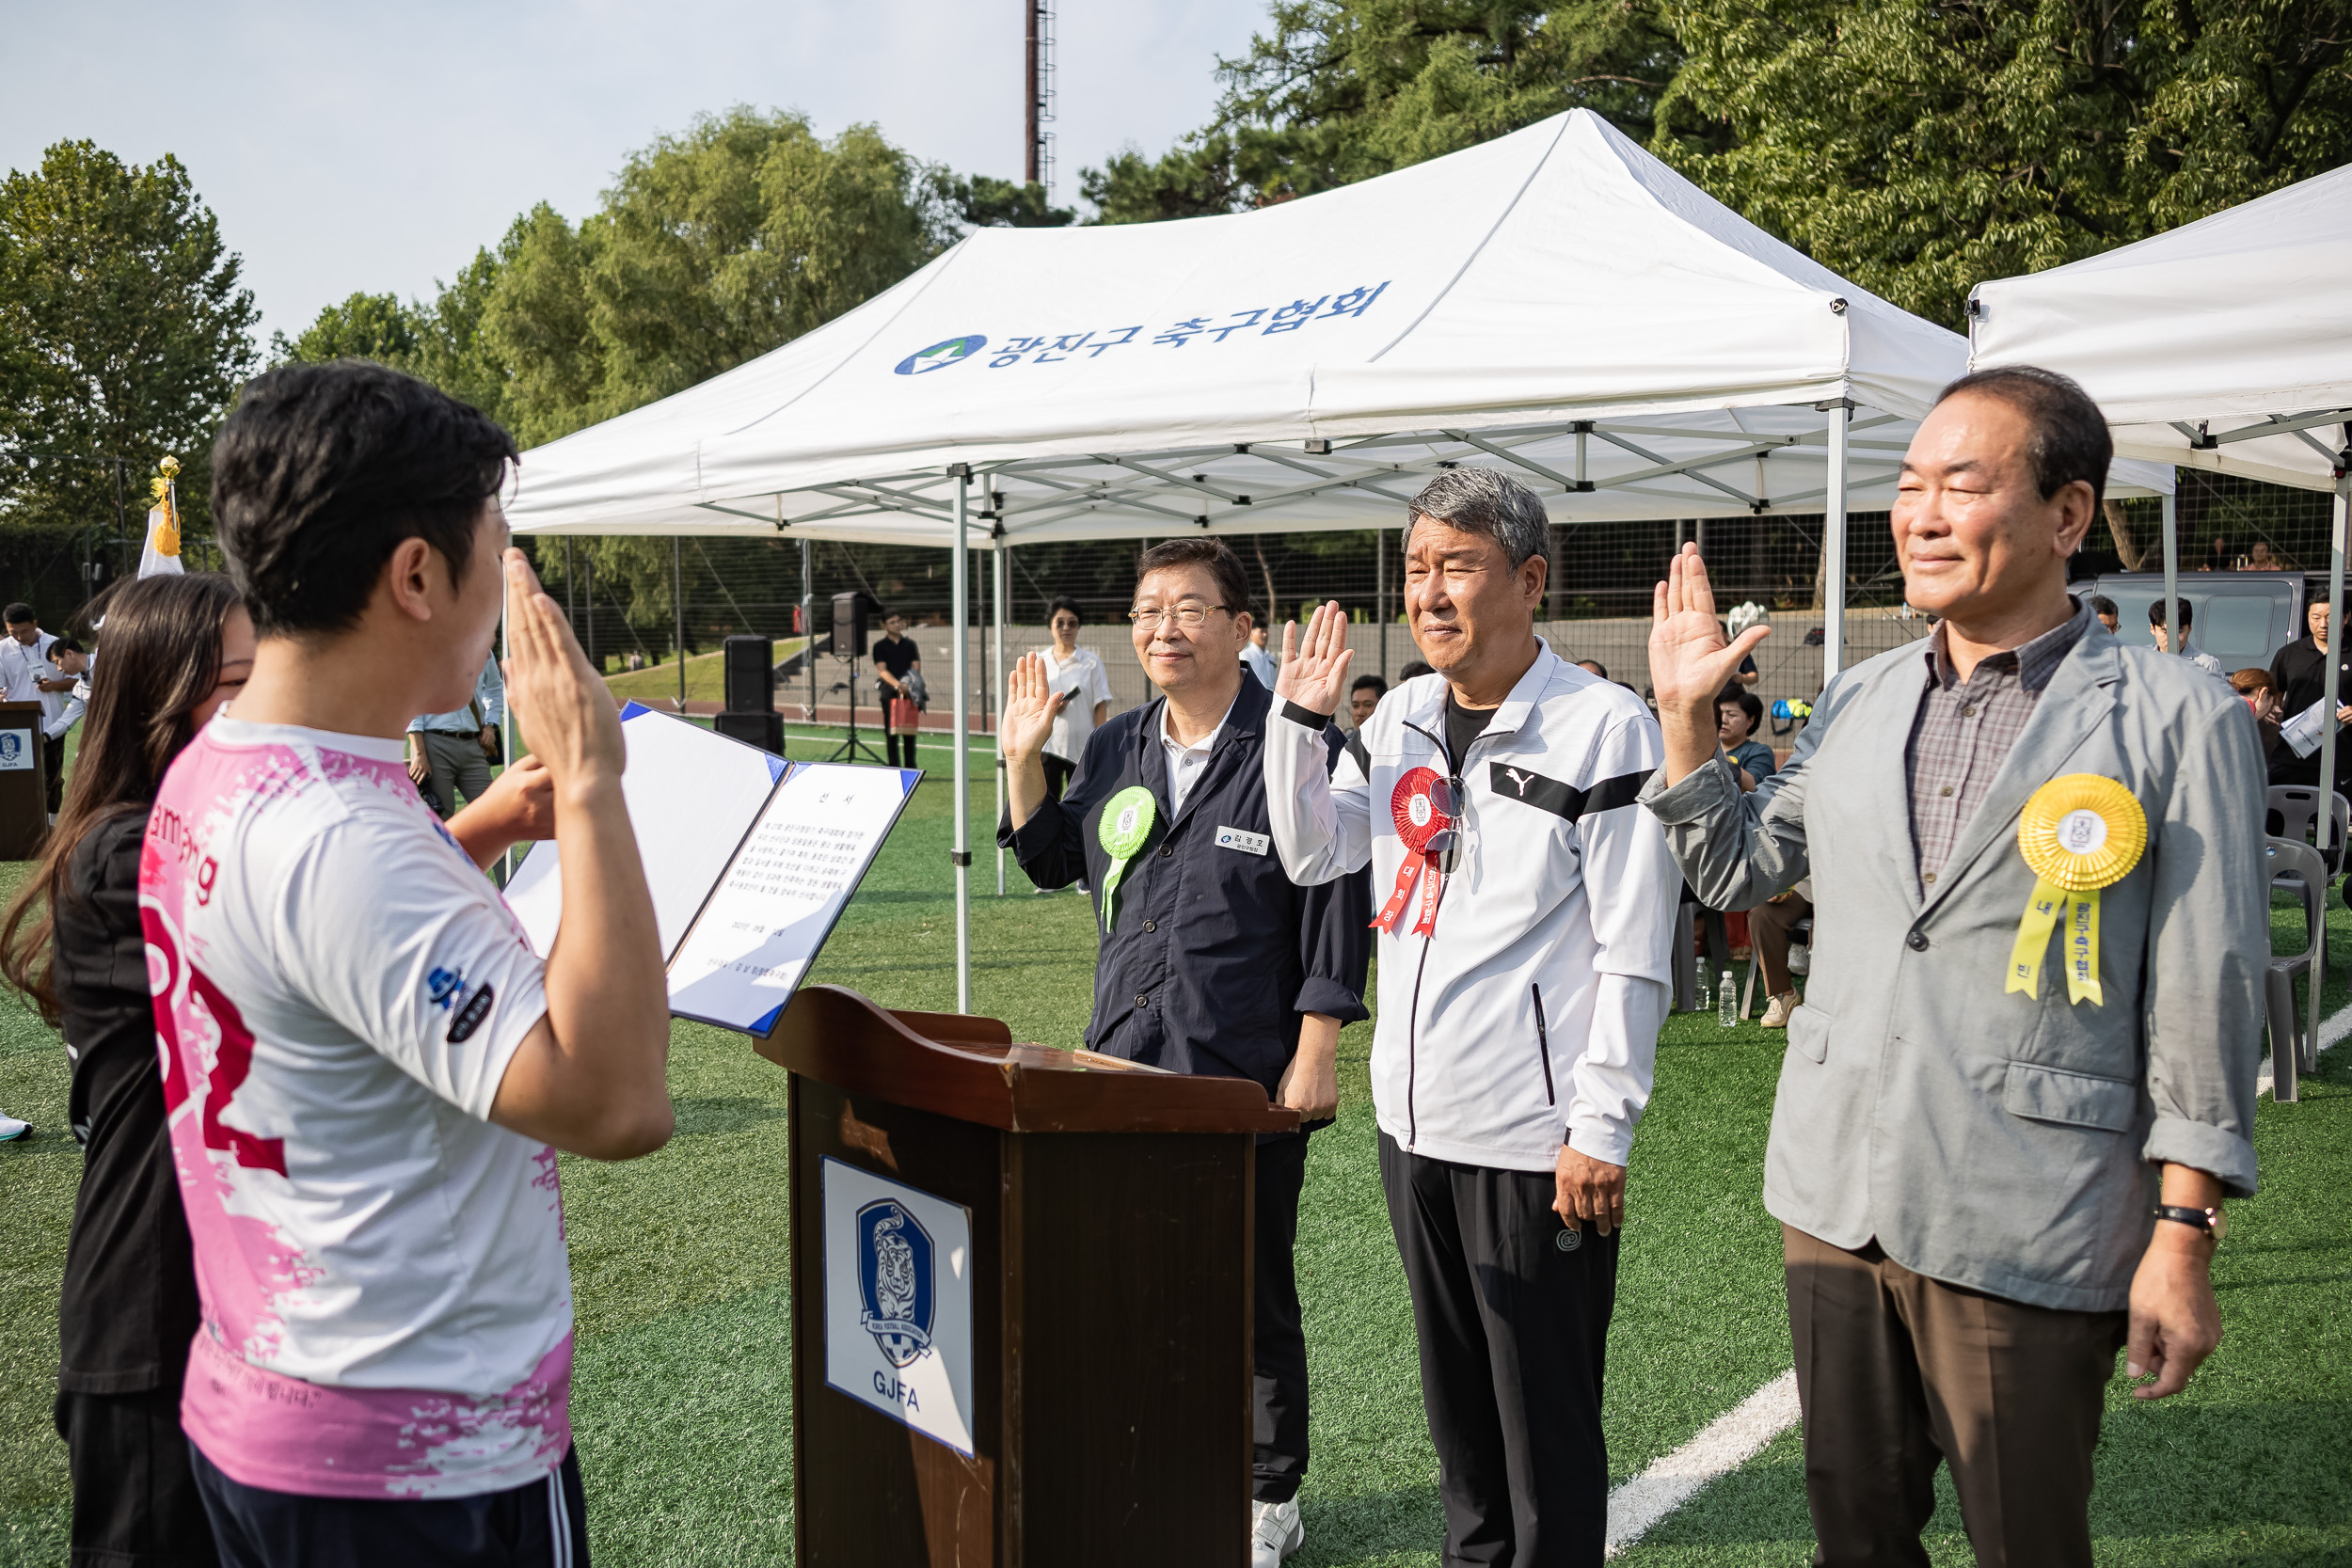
[{"x": 374, "y": 148}]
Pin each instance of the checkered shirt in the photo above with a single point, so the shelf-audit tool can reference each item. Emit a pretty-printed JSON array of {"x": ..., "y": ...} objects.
[{"x": 1965, "y": 729}]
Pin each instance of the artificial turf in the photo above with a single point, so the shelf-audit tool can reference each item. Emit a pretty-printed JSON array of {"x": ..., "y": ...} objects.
[{"x": 681, "y": 1400}]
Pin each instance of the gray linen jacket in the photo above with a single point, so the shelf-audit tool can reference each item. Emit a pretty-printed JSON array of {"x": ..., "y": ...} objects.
[{"x": 1988, "y": 1139}]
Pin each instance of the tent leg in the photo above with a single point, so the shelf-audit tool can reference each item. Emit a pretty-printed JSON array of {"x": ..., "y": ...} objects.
[
  {"x": 2326, "y": 740},
  {"x": 514, "y": 855},
  {"x": 2172, "y": 573},
  {"x": 808, "y": 622},
  {"x": 1834, "y": 545},
  {"x": 678, "y": 604},
  {"x": 1003, "y": 583},
  {"x": 1380, "y": 596},
  {"x": 959, "y": 584}
]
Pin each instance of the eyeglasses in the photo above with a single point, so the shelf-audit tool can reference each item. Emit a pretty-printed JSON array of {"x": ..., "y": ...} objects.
[{"x": 1189, "y": 615}]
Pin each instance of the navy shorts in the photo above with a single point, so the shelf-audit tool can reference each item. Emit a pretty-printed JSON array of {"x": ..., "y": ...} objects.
[{"x": 542, "y": 1524}]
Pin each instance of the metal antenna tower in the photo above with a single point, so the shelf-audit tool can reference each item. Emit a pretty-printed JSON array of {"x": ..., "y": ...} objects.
[{"x": 1038, "y": 109}]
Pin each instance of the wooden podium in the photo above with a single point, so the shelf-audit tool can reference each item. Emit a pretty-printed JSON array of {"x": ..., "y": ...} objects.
[
  {"x": 1097, "y": 1215},
  {"x": 24, "y": 781}
]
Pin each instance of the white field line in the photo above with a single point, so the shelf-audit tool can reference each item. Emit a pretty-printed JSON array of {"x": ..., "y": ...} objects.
[
  {"x": 2331, "y": 1029},
  {"x": 1730, "y": 1441},
  {"x": 1740, "y": 1434}
]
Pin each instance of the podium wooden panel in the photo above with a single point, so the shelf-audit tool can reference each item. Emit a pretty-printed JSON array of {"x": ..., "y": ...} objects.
[
  {"x": 24, "y": 791},
  {"x": 1110, "y": 1231}
]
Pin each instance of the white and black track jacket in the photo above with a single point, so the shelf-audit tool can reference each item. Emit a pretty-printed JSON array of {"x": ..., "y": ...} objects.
[{"x": 1531, "y": 1014}]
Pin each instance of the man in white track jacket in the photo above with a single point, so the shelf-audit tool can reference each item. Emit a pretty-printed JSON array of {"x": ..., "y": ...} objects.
[{"x": 1526, "y": 927}]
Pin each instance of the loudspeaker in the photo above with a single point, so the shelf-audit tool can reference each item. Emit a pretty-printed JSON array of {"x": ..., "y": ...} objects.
[
  {"x": 852, "y": 629},
  {"x": 751, "y": 674},
  {"x": 763, "y": 730}
]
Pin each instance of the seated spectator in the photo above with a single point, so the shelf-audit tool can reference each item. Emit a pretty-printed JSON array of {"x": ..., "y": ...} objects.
[
  {"x": 2258, "y": 558},
  {"x": 2189, "y": 650},
  {"x": 2262, "y": 694},
  {"x": 1363, "y": 695},
  {"x": 2104, "y": 608},
  {"x": 1738, "y": 715},
  {"x": 1769, "y": 925}
]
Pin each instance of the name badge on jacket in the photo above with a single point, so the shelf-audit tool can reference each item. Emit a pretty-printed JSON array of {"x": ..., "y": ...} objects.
[{"x": 1249, "y": 844}]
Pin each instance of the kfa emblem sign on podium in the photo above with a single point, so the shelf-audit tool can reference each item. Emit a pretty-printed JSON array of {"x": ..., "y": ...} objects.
[{"x": 899, "y": 1302}]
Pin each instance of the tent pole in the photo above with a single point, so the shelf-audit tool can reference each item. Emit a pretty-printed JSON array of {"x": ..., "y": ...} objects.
[
  {"x": 959, "y": 584},
  {"x": 2172, "y": 573},
  {"x": 808, "y": 625},
  {"x": 678, "y": 603},
  {"x": 1834, "y": 545},
  {"x": 507, "y": 718},
  {"x": 1380, "y": 596},
  {"x": 2331, "y": 692},
  {"x": 1004, "y": 586}
]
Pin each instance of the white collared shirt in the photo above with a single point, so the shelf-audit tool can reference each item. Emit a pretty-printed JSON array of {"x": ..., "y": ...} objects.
[{"x": 1185, "y": 763}]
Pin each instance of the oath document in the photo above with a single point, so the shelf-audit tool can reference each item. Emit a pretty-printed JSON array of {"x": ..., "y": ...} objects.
[{"x": 750, "y": 860}]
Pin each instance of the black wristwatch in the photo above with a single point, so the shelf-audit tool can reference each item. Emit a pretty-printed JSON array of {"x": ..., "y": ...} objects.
[{"x": 2213, "y": 1222}]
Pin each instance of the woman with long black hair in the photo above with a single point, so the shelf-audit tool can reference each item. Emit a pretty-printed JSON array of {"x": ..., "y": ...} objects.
[{"x": 175, "y": 650}]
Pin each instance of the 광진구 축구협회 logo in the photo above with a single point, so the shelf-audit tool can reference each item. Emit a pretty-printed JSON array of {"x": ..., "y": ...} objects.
[
  {"x": 893, "y": 1280},
  {"x": 953, "y": 351}
]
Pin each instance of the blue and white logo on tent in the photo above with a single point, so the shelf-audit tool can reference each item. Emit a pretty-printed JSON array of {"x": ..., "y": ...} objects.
[
  {"x": 953, "y": 351},
  {"x": 893, "y": 1280}
]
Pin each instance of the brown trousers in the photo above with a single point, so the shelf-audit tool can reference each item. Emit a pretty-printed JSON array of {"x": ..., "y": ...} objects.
[
  {"x": 1896, "y": 1371},
  {"x": 1768, "y": 930}
]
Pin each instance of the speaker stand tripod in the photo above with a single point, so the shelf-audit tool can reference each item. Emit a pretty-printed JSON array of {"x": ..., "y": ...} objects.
[{"x": 851, "y": 745}]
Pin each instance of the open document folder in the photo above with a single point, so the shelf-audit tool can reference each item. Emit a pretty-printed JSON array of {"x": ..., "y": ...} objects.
[{"x": 750, "y": 861}]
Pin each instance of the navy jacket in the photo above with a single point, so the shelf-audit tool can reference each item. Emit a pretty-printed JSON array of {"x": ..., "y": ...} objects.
[{"x": 1216, "y": 951}]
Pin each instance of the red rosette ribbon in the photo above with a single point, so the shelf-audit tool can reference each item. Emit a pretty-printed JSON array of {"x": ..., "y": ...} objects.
[{"x": 1417, "y": 821}]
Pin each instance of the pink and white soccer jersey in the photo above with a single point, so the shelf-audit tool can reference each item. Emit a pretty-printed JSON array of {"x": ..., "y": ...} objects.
[{"x": 387, "y": 1305}]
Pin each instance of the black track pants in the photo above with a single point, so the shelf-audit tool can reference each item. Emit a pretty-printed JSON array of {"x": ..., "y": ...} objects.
[
  {"x": 1511, "y": 1330},
  {"x": 1281, "y": 1341}
]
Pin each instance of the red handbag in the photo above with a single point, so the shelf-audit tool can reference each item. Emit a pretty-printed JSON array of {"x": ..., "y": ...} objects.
[{"x": 904, "y": 715}]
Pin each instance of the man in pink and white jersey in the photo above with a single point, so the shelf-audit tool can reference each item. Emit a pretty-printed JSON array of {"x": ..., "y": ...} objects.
[{"x": 367, "y": 1068}]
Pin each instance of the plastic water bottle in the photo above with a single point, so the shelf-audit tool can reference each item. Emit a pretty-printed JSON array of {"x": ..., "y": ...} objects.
[
  {"x": 1698, "y": 1001},
  {"x": 1727, "y": 1004}
]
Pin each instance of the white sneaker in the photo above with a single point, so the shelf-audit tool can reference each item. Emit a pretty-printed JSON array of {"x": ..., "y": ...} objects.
[
  {"x": 12, "y": 1128},
  {"x": 1275, "y": 1532},
  {"x": 1776, "y": 1011}
]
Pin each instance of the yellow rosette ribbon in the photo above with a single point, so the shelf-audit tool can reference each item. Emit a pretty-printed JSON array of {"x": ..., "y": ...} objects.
[{"x": 2078, "y": 833}]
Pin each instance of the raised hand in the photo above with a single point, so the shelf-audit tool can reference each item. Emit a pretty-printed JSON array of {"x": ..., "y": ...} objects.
[
  {"x": 1689, "y": 663},
  {"x": 560, "y": 702},
  {"x": 1031, "y": 706},
  {"x": 1315, "y": 675}
]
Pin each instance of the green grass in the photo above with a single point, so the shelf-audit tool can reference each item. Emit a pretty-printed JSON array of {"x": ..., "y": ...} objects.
[
  {"x": 682, "y": 1401},
  {"x": 705, "y": 678}
]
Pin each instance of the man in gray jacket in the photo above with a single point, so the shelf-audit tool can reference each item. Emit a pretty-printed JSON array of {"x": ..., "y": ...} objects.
[{"x": 1994, "y": 1163}]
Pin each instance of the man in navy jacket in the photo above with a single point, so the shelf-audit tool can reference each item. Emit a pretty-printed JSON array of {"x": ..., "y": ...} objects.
[{"x": 1212, "y": 960}]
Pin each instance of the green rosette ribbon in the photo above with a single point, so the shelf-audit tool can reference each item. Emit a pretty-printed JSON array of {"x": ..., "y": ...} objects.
[{"x": 1127, "y": 819}]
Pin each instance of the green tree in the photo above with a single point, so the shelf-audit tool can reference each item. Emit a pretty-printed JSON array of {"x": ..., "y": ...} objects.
[
  {"x": 365, "y": 326},
  {"x": 126, "y": 334},
  {"x": 710, "y": 249},
  {"x": 1918, "y": 146},
  {"x": 1339, "y": 91},
  {"x": 982, "y": 202}
]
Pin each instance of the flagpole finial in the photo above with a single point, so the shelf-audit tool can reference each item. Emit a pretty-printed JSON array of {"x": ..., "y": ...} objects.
[{"x": 171, "y": 467}]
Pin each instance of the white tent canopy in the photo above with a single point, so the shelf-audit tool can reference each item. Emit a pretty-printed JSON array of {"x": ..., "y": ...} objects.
[
  {"x": 2225, "y": 345},
  {"x": 1479, "y": 306},
  {"x": 1556, "y": 302}
]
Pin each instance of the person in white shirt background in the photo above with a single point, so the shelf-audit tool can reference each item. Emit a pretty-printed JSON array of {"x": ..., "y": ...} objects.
[
  {"x": 2189, "y": 650},
  {"x": 34, "y": 668},
  {"x": 1077, "y": 672},
  {"x": 1259, "y": 661}
]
